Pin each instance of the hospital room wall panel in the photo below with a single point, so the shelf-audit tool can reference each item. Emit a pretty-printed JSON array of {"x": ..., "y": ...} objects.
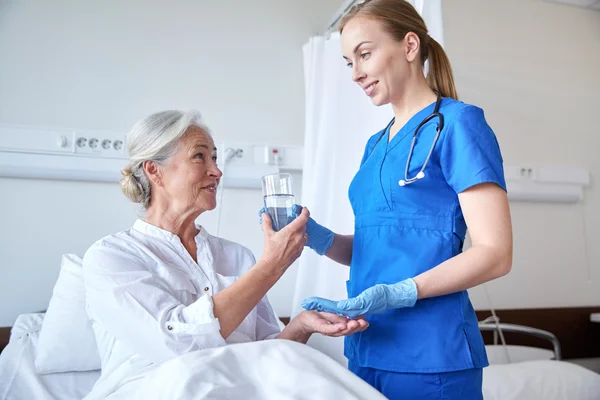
[
  {"x": 550, "y": 267},
  {"x": 103, "y": 65},
  {"x": 533, "y": 67}
]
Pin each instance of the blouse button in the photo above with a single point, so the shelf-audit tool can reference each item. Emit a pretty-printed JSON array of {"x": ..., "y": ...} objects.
[
  {"x": 169, "y": 327},
  {"x": 206, "y": 289}
]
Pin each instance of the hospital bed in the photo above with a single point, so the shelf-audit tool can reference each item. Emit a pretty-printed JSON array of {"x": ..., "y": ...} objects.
[
  {"x": 270, "y": 369},
  {"x": 515, "y": 373},
  {"x": 18, "y": 376},
  {"x": 52, "y": 355},
  {"x": 531, "y": 373},
  {"x": 523, "y": 372},
  {"x": 503, "y": 353}
]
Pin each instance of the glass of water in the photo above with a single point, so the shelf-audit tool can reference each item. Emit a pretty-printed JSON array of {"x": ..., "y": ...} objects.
[{"x": 278, "y": 192}]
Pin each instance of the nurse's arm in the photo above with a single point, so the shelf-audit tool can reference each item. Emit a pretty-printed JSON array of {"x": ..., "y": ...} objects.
[
  {"x": 341, "y": 249},
  {"x": 487, "y": 214}
]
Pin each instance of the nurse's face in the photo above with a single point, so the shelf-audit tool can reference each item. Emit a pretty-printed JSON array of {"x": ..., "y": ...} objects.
[
  {"x": 380, "y": 64},
  {"x": 191, "y": 176}
]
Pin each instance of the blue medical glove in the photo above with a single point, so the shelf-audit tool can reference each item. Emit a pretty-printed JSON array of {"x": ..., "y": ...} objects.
[
  {"x": 320, "y": 238},
  {"x": 374, "y": 300}
]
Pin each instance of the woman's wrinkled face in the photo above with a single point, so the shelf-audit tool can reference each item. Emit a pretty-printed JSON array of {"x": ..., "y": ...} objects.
[
  {"x": 380, "y": 64},
  {"x": 190, "y": 177}
]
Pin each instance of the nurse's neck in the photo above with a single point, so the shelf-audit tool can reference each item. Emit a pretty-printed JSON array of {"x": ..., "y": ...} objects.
[{"x": 413, "y": 98}]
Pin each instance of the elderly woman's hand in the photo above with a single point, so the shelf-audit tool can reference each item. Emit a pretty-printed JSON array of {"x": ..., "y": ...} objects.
[
  {"x": 306, "y": 323},
  {"x": 284, "y": 247},
  {"x": 329, "y": 324}
]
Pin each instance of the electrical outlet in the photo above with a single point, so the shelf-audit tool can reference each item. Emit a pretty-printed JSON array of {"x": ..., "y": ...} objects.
[
  {"x": 231, "y": 153},
  {"x": 273, "y": 155},
  {"x": 527, "y": 172},
  {"x": 100, "y": 144}
]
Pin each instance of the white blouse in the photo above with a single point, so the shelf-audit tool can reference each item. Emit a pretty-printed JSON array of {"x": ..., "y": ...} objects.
[{"x": 150, "y": 302}]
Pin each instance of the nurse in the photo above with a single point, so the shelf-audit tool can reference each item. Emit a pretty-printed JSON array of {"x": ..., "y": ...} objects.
[{"x": 408, "y": 273}]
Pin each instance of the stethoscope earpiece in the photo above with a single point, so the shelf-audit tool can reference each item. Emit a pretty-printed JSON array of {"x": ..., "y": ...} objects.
[{"x": 420, "y": 175}]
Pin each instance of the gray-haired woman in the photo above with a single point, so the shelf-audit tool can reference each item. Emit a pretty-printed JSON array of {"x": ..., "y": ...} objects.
[{"x": 166, "y": 286}]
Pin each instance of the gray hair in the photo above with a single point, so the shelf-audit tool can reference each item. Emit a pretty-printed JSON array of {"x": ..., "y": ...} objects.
[{"x": 154, "y": 138}]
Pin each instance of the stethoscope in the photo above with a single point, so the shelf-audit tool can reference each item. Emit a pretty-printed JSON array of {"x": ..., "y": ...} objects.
[{"x": 420, "y": 174}]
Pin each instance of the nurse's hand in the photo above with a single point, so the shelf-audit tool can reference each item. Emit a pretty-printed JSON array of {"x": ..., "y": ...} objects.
[
  {"x": 374, "y": 300},
  {"x": 284, "y": 247},
  {"x": 320, "y": 238},
  {"x": 330, "y": 324}
]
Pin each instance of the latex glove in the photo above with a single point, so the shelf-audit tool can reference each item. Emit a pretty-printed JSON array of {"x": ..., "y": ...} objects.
[
  {"x": 374, "y": 300},
  {"x": 319, "y": 239}
]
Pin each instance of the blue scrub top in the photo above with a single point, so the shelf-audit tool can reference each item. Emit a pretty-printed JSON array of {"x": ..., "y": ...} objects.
[{"x": 401, "y": 232}]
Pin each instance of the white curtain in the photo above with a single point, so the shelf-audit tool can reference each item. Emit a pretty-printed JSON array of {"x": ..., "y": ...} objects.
[{"x": 339, "y": 121}]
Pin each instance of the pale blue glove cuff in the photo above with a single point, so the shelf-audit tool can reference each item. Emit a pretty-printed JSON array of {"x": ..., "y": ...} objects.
[
  {"x": 380, "y": 298},
  {"x": 402, "y": 294},
  {"x": 320, "y": 238}
]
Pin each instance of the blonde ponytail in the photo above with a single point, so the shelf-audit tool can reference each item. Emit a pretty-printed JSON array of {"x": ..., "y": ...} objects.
[{"x": 440, "y": 77}]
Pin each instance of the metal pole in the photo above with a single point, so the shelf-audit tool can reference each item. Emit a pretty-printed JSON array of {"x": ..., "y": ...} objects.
[{"x": 340, "y": 14}]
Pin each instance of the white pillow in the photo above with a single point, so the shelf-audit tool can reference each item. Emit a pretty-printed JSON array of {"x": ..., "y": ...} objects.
[
  {"x": 67, "y": 342},
  {"x": 540, "y": 380}
]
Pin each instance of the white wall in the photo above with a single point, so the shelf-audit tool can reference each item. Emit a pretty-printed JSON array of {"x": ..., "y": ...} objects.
[
  {"x": 105, "y": 64},
  {"x": 535, "y": 69},
  {"x": 531, "y": 65}
]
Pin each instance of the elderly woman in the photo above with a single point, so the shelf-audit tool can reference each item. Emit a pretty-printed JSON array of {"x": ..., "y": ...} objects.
[{"x": 166, "y": 287}]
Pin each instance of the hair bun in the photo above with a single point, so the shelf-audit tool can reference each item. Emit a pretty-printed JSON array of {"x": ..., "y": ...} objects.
[
  {"x": 130, "y": 186},
  {"x": 126, "y": 171}
]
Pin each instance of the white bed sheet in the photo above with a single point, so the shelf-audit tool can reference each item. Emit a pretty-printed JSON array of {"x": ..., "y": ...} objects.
[{"x": 18, "y": 377}]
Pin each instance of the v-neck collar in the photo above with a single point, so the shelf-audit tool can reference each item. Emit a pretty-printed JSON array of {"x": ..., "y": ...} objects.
[{"x": 410, "y": 126}]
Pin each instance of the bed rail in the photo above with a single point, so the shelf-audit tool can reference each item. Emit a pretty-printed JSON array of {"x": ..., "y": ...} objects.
[{"x": 492, "y": 326}]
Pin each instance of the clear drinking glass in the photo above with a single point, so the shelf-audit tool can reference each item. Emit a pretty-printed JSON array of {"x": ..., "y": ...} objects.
[{"x": 278, "y": 193}]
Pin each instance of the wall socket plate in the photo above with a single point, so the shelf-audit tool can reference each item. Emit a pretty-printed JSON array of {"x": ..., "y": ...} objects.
[
  {"x": 274, "y": 155},
  {"x": 102, "y": 144}
]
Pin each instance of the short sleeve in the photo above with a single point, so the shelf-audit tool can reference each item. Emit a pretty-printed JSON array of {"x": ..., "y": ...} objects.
[{"x": 470, "y": 152}]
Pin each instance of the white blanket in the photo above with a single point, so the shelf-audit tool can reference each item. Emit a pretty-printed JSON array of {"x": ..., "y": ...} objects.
[{"x": 265, "y": 370}]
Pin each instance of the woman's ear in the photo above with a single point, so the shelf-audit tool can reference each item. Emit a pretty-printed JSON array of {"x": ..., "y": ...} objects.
[
  {"x": 412, "y": 45},
  {"x": 153, "y": 172}
]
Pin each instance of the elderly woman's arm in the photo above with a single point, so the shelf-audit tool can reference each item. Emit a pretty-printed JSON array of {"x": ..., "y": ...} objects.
[
  {"x": 235, "y": 302},
  {"x": 139, "y": 307}
]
